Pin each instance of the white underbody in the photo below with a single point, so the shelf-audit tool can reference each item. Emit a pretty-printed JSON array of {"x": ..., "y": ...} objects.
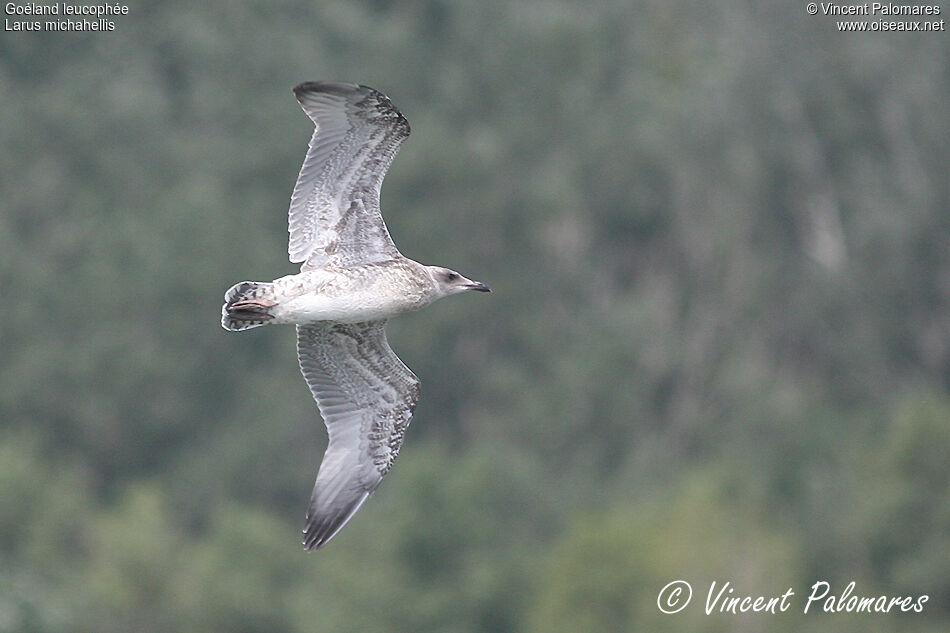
[
  {"x": 352, "y": 308},
  {"x": 350, "y": 296}
]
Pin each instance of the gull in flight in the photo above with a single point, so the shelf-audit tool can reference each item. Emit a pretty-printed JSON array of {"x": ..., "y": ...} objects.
[{"x": 352, "y": 280}]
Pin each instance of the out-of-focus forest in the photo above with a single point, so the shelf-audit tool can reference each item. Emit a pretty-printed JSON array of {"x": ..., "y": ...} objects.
[{"x": 718, "y": 347}]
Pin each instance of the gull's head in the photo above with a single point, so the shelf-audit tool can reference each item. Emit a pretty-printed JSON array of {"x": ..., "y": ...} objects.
[{"x": 449, "y": 282}]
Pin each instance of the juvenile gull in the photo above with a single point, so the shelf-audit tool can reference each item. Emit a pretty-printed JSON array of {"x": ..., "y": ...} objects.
[{"x": 352, "y": 279}]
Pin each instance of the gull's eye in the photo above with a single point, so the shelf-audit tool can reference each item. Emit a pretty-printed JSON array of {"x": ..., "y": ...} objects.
[{"x": 452, "y": 276}]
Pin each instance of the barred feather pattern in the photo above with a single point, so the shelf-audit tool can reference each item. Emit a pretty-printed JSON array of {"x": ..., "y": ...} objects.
[
  {"x": 366, "y": 396},
  {"x": 334, "y": 214},
  {"x": 244, "y": 291}
]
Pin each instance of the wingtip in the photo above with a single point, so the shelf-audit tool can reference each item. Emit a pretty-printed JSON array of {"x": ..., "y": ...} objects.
[
  {"x": 372, "y": 103},
  {"x": 312, "y": 547},
  {"x": 322, "y": 527},
  {"x": 310, "y": 87},
  {"x": 318, "y": 538}
]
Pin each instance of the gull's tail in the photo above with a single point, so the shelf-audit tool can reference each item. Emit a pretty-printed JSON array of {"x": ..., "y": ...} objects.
[{"x": 246, "y": 305}]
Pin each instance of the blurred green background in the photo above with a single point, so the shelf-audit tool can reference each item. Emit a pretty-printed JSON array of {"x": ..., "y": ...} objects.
[{"x": 718, "y": 347}]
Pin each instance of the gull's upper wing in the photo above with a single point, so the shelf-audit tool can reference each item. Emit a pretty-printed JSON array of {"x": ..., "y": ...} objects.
[
  {"x": 366, "y": 396},
  {"x": 334, "y": 210}
]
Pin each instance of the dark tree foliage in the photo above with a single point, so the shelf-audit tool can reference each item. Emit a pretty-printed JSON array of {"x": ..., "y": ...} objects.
[{"x": 718, "y": 346}]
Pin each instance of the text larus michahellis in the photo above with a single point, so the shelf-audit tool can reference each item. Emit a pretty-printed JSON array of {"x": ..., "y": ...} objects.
[{"x": 352, "y": 279}]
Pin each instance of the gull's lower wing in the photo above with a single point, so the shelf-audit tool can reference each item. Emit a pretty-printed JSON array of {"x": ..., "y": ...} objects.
[{"x": 366, "y": 396}]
